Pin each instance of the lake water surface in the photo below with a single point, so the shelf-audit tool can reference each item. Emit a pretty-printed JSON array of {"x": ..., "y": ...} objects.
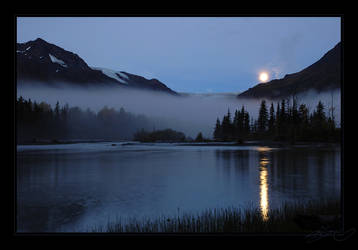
[{"x": 76, "y": 187}]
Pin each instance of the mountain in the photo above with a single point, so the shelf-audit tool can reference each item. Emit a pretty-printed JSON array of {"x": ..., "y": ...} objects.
[
  {"x": 323, "y": 75},
  {"x": 47, "y": 63}
]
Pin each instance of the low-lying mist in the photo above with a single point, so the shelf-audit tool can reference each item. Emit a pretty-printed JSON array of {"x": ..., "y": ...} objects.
[{"x": 189, "y": 113}]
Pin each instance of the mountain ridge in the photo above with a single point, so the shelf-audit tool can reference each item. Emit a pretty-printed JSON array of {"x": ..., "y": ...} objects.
[{"x": 48, "y": 63}]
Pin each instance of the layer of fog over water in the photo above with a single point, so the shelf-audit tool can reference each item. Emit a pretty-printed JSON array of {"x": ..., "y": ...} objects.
[
  {"x": 76, "y": 187},
  {"x": 189, "y": 113}
]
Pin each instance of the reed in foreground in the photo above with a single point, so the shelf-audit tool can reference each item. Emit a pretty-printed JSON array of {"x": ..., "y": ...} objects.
[{"x": 296, "y": 217}]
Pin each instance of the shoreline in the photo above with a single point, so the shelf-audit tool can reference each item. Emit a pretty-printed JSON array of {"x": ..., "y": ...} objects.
[
  {"x": 58, "y": 142},
  {"x": 206, "y": 144}
]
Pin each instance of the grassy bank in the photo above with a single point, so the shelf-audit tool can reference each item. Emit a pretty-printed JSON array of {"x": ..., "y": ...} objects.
[{"x": 296, "y": 218}]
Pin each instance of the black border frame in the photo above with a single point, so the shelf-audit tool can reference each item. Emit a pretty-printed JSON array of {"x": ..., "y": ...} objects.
[{"x": 139, "y": 13}]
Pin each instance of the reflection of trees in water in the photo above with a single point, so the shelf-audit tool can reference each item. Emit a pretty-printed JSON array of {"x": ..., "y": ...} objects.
[
  {"x": 238, "y": 158},
  {"x": 291, "y": 173},
  {"x": 284, "y": 174},
  {"x": 241, "y": 162},
  {"x": 304, "y": 172},
  {"x": 31, "y": 169},
  {"x": 234, "y": 161},
  {"x": 223, "y": 161}
]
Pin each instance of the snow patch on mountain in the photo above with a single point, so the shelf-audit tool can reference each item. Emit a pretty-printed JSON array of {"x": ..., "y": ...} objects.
[
  {"x": 112, "y": 74},
  {"x": 56, "y": 60},
  {"x": 123, "y": 75}
]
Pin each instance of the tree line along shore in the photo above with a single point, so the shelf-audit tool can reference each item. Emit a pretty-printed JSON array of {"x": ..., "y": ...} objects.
[{"x": 285, "y": 123}]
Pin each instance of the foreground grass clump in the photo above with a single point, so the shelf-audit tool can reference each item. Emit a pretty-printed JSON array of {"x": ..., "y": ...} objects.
[{"x": 296, "y": 217}]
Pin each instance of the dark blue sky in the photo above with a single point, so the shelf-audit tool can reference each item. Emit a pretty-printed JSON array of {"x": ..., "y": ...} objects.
[{"x": 198, "y": 55}]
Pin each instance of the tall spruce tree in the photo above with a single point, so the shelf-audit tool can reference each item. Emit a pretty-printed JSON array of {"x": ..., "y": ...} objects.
[
  {"x": 319, "y": 122},
  {"x": 303, "y": 122},
  {"x": 278, "y": 120},
  {"x": 226, "y": 127},
  {"x": 283, "y": 111},
  {"x": 262, "y": 120},
  {"x": 283, "y": 119},
  {"x": 246, "y": 123},
  {"x": 293, "y": 120},
  {"x": 57, "y": 112},
  {"x": 236, "y": 125},
  {"x": 271, "y": 122},
  {"x": 217, "y": 131}
]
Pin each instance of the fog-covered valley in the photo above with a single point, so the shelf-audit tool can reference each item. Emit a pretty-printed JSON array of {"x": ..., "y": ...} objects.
[{"x": 189, "y": 113}]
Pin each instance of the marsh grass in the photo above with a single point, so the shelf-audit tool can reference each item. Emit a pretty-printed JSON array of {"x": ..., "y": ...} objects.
[{"x": 229, "y": 219}]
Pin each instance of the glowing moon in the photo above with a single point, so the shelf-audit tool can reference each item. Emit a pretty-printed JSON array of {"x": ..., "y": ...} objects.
[{"x": 263, "y": 76}]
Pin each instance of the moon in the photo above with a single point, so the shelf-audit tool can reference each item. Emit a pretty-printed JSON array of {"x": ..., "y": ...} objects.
[{"x": 263, "y": 77}]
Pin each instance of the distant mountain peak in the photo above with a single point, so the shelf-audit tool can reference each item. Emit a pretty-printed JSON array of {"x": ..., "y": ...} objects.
[{"x": 39, "y": 40}]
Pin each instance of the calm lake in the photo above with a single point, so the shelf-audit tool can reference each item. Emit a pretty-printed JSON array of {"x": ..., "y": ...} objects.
[{"x": 76, "y": 187}]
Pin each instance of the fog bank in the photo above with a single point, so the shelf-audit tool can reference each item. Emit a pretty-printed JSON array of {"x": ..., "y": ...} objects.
[{"x": 189, "y": 113}]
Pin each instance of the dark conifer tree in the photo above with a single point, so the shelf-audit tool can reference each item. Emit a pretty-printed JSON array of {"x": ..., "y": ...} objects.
[
  {"x": 226, "y": 127},
  {"x": 246, "y": 123},
  {"x": 278, "y": 120},
  {"x": 262, "y": 120},
  {"x": 236, "y": 125},
  {"x": 283, "y": 119},
  {"x": 293, "y": 120},
  {"x": 217, "y": 131},
  {"x": 229, "y": 116},
  {"x": 319, "y": 122},
  {"x": 283, "y": 112},
  {"x": 319, "y": 113},
  {"x": 57, "y": 112},
  {"x": 294, "y": 111},
  {"x": 242, "y": 121},
  {"x": 199, "y": 137},
  {"x": 271, "y": 122},
  {"x": 303, "y": 122}
]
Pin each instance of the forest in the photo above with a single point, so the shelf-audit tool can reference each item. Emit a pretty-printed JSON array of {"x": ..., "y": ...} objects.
[
  {"x": 285, "y": 122},
  {"x": 38, "y": 121},
  {"x": 288, "y": 122}
]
